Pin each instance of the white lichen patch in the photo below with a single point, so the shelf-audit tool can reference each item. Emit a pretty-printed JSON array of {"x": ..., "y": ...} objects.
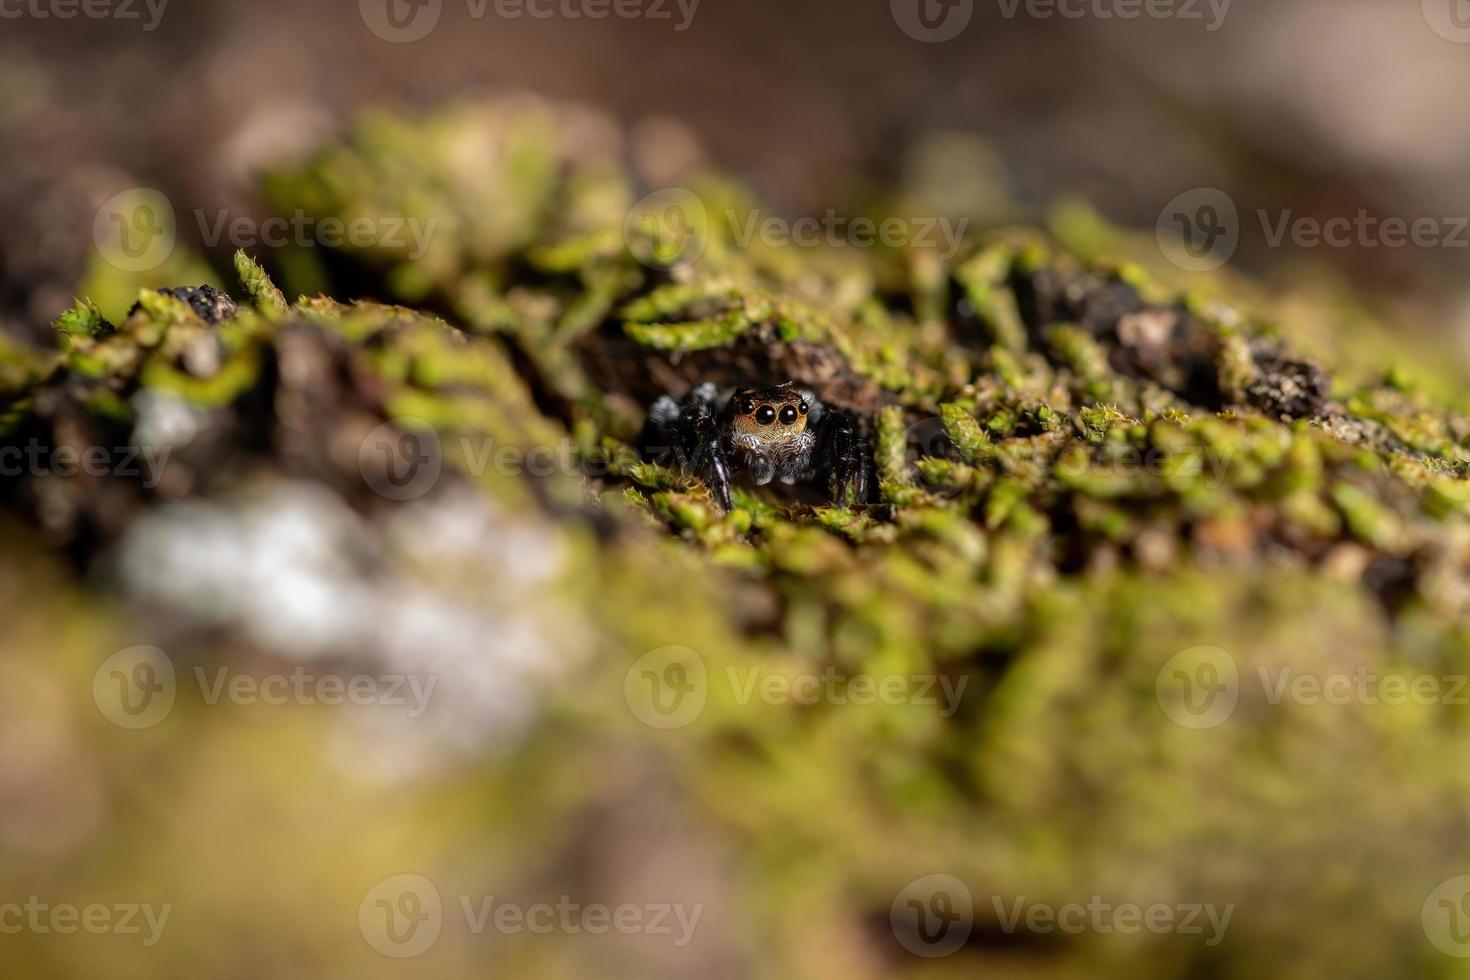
[{"x": 449, "y": 604}]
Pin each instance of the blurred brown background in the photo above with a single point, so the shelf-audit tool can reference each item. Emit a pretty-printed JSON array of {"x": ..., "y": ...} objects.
[{"x": 1324, "y": 107}]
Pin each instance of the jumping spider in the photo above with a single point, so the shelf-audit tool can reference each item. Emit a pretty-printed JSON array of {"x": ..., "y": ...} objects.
[{"x": 773, "y": 432}]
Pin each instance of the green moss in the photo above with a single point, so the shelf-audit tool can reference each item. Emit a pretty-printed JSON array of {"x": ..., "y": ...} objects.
[
  {"x": 1061, "y": 511},
  {"x": 964, "y": 432},
  {"x": 269, "y": 300},
  {"x": 693, "y": 336},
  {"x": 83, "y": 320}
]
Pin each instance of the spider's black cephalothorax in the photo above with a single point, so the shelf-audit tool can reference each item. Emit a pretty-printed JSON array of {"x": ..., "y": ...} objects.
[{"x": 776, "y": 432}]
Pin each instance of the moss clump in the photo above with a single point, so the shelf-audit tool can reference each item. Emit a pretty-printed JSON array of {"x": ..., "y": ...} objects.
[{"x": 1087, "y": 472}]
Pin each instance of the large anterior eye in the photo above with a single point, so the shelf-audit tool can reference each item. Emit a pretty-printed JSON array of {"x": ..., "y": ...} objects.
[
  {"x": 766, "y": 415},
  {"x": 788, "y": 415}
]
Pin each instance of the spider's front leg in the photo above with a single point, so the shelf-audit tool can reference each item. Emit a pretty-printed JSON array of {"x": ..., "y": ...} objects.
[
  {"x": 693, "y": 427},
  {"x": 845, "y": 456}
]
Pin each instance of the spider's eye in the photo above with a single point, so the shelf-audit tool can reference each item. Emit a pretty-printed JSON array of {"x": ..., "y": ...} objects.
[
  {"x": 766, "y": 415},
  {"x": 746, "y": 407},
  {"x": 788, "y": 415},
  {"x": 802, "y": 408}
]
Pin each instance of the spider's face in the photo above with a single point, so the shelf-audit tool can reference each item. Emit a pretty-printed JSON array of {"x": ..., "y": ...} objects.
[{"x": 773, "y": 417}]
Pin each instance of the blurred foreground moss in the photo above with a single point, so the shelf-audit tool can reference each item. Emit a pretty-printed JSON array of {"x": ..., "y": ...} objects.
[{"x": 1118, "y": 521}]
